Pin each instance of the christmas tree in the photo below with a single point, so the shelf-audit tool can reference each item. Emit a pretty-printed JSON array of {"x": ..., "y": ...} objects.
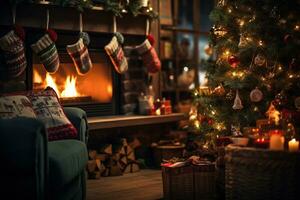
[{"x": 257, "y": 49}]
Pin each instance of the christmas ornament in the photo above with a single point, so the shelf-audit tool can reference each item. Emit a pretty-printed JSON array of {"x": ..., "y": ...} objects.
[
  {"x": 13, "y": 49},
  {"x": 218, "y": 31},
  {"x": 272, "y": 113},
  {"x": 219, "y": 91},
  {"x": 235, "y": 130},
  {"x": 80, "y": 56},
  {"x": 45, "y": 49},
  {"x": 116, "y": 54},
  {"x": 259, "y": 60},
  {"x": 230, "y": 95},
  {"x": 256, "y": 95},
  {"x": 208, "y": 50},
  {"x": 297, "y": 103},
  {"x": 287, "y": 38},
  {"x": 280, "y": 100},
  {"x": 243, "y": 41},
  {"x": 233, "y": 61},
  {"x": 237, "y": 102},
  {"x": 293, "y": 64}
]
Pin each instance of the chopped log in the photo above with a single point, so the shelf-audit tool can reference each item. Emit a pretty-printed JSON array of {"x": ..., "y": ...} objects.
[
  {"x": 101, "y": 157},
  {"x": 115, "y": 170},
  {"x": 124, "y": 142},
  {"x": 105, "y": 172},
  {"x": 123, "y": 160},
  {"x": 128, "y": 150},
  {"x": 131, "y": 156},
  {"x": 94, "y": 175},
  {"x": 119, "y": 149},
  {"x": 92, "y": 154},
  {"x": 135, "y": 143},
  {"x": 106, "y": 148},
  {"x": 135, "y": 167},
  {"x": 91, "y": 166},
  {"x": 127, "y": 169}
]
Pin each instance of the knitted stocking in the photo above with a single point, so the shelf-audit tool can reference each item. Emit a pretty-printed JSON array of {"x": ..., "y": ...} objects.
[
  {"x": 80, "y": 56},
  {"x": 149, "y": 56},
  {"x": 116, "y": 53},
  {"x": 14, "y": 54},
  {"x": 46, "y": 50}
]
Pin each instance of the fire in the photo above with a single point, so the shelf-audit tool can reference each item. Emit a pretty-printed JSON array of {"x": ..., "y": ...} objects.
[
  {"x": 51, "y": 83},
  {"x": 37, "y": 77},
  {"x": 70, "y": 87}
]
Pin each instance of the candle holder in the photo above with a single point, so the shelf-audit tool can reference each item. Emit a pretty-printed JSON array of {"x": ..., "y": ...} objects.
[{"x": 262, "y": 142}]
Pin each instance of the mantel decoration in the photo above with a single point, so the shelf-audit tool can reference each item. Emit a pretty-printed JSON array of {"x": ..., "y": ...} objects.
[{"x": 118, "y": 7}]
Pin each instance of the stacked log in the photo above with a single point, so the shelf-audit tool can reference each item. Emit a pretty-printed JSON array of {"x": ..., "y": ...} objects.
[{"x": 113, "y": 159}]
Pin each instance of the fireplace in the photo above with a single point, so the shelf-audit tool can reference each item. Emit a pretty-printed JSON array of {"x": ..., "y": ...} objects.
[{"x": 97, "y": 92}]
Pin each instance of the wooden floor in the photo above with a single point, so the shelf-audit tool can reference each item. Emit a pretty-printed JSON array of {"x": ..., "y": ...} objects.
[{"x": 143, "y": 185}]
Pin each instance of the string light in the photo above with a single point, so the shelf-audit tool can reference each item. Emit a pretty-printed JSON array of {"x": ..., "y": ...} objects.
[
  {"x": 242, "y": 23},
  {"x": 229, "y": 10},
  {"x": 297, "y": 27},
  {"x": 260, "y": 43}
]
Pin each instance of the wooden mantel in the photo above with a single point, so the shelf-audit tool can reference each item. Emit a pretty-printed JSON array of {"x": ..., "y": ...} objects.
[{"x": 124, "y": 121}]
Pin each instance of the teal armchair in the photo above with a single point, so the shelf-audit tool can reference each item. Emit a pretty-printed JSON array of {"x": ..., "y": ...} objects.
[{"x": 33, "y": 168}]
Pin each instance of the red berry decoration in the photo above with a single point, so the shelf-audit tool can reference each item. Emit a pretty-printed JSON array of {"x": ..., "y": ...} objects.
[
  {"x": 19, "y": 30},
  {"x": 233, "y": 61},
  {"x": 287, "y": 38},
  {"x": 52, "y": 34},
  {"x": 151, "y": 39}
]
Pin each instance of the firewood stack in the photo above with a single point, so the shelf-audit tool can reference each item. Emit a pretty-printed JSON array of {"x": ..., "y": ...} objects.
[{"x": 113, "y": 160}]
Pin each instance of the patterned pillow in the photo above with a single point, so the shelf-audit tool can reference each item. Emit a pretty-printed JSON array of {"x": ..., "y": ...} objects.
[
  {"x": 48, "y": 109},
  {"x": 12, "y": 106}
]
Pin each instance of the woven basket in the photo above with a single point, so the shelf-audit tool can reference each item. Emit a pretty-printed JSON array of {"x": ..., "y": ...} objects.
[
  {"x": 189, "y": 182},
  {"x": 252, "y": 173}
]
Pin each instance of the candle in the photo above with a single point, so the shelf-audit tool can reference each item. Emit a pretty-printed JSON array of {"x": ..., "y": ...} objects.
[
  {"x": 293, "y": 145},
  {"x": 276, "y": 140}
]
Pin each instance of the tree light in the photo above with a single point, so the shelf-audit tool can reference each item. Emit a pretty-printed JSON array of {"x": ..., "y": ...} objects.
[{"x": 260, "y": 43}]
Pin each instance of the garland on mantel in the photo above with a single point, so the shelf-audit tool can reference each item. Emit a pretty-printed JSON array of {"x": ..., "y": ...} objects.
[{"x": 118, "y": 7}]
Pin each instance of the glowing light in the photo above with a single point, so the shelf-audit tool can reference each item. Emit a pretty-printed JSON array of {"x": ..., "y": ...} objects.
[
  {"x": 186, "y": 69},
  {"x": 297, "y": 27},
  {"x": 51, "y": 83},
  {"x": 70, "y": 88},
  {"x": 37, "y": 77},
  {"x": 242, "y": 23},
  {"x": 229, "y": 10},
  {"x": 260, "y": 43}
]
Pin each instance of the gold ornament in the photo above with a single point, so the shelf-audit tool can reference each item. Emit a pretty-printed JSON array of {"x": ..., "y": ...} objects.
[
  {"x": 219, "y": 91},
  {"x": 237, "y": 102},
  {"x": 273, "y": 114},
  {"x": 297, "y": 103},
  {"x": 208, "y": 50},
  {"x": 256, "y": 95},
  {"x": 260, "y": 60}
]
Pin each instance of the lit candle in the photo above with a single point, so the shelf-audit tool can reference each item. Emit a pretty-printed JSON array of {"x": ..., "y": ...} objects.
[
  {"x": 276, "y": 140},
  {"x": 293, "y": 145}
]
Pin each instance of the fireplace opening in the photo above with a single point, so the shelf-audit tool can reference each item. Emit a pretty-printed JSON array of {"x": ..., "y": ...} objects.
[
  {"x": 94, "y": 87},
  {"x": 94, "y": 92}
]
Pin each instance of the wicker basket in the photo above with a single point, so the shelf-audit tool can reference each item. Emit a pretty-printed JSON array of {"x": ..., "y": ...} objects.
[
  {"x": 189, "y": 182},
  {"x": 261, "y": 174}
]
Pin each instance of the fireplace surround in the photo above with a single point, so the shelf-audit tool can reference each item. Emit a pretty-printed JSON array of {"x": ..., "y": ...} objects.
[{"x": 98, "y": 92}]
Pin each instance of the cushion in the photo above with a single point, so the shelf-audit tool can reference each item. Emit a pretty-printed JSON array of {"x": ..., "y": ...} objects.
[
  {"x": 12, "y": 106},
  {"x": 48, "y": 109},
  {"x": 64, "y": 167}
]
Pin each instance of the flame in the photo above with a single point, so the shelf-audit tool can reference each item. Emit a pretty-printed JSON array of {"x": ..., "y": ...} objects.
[
  {"x": 51, "y": 83},
  {"x": 37, "y": 77},
  {"x": 70, "y": 87}
]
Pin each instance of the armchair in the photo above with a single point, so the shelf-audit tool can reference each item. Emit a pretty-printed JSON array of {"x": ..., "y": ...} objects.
[{"x": 33, "y": 168}]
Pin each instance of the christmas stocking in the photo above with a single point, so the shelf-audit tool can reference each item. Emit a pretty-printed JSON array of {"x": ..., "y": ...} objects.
[
  {"x": 149, "y": 55},
  {"x": 80, "y": 54},
  {"x": 46, "y": 50},
  {"x": 14, "y": 54},
  {"x": 116, "y": 54}
]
